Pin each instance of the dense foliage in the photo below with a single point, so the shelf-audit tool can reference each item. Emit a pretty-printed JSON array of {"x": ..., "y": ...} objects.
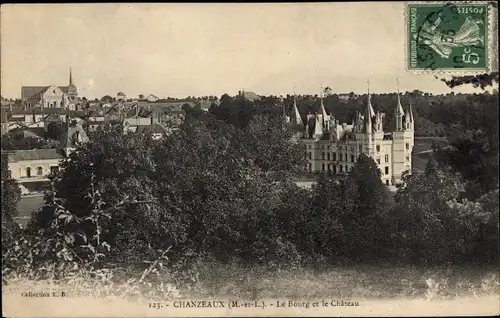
[{"x": 221, "y": 187}]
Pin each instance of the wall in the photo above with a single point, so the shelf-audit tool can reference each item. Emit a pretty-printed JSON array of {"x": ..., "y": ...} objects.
[{"x": 18, "y": 169}]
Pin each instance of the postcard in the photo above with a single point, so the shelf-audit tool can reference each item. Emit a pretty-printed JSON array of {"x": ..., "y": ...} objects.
[{"x": 250, "y": 159}]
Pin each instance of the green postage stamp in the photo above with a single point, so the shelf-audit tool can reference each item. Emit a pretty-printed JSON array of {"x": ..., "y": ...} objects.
[{"x": 448, "y": 36}]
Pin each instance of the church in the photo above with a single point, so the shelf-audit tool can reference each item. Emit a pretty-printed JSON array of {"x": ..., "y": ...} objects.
[
  {"x": 51, "y": 96},
  {"x": 333, "y": 146}
]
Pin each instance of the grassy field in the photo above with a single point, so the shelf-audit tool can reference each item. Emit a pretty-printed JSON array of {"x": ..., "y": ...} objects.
[
  {"x": 419, "y": 160},
  {"x": 370, "y": 286}
]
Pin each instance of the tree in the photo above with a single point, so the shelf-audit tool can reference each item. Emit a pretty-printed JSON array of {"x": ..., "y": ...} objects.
[
  {"x": 110, "y": 173},
  {"x": 327, "y": 91},
  {"x": 15, "y": 140},
  {"x": 423, "y": 229},
  {"x": 267, "y": 144},
  {"x": 366, "y": 202},
  {"x": 474, "y": 155},
  {"x": 11, "y": 195},
  {"x": 141, "y": 96},
  {"x": 106, "y": 99},
  {"x": 55, "y": 130}
]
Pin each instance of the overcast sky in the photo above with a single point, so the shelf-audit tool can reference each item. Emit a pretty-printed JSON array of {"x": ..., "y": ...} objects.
[{"x": 183, "y": 50}]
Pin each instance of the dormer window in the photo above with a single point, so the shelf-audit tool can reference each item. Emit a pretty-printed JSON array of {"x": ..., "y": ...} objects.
[{"x": 53, "y": 91}]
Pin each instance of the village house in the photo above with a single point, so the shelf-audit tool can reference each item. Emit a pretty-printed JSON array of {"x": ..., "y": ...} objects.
[
  {"x": 35, "y": 165},
  {"x": 152, "y": 98}
]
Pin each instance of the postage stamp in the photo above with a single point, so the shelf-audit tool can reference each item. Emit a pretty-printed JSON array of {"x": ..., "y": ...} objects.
[{"x": 447, "y": 36}]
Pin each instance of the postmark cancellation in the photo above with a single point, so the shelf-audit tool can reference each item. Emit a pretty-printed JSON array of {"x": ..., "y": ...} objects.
[{"x": 450, "y": 37}]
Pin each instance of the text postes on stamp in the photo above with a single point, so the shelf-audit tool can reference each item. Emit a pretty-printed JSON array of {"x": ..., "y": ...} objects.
[{"x": 447, "y": 36}]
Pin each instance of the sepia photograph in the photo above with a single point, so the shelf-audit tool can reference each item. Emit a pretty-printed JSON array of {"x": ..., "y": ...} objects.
[{"x": 250, "y": 159}]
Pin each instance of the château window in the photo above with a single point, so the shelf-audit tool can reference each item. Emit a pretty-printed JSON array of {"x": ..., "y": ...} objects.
[
  {"x": 310, "y": 167},
  {"x": 378, "y": 148},
  {"x": 54, "y": 169},
  {"x": 28, "y": 172},
  {"x": 9, "y": 174},
  {"x": 310, "y": 155},
  {"x": 340, "y": 157},
  {"x": 322, "y": 167},
  {"x": 334, "y": 156},
  {"x": 407, "y": 158},
  {"x": 387, "y": 182},
  {"x": 386, "y": 170},
  {"x": 334, "y": 169},
  {"x": 378, "y": 160},
  {"x": 360, "y": 148},
  {"x": 323, "y": 155},
  {"x": 407, "y": 146},
  {"x": 345, "y": 157},
  {"x": 386, "y": 158},
  {"x": 328, "y": 156},
  {"x": 352, "y": 158},
  {"x": 39, "y": 171}
]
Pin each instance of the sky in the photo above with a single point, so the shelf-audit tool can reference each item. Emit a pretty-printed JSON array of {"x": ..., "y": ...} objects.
[{"x": 181, "y": 50}]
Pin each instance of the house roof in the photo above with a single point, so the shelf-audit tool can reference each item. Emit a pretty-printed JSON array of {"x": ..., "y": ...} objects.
[
  {"x": 74, "y": 135},
  {"x": 17, "y": 111},
  {"x": 251, "y": 96},
  {"x": 16, "y": 119},
  {"x": 33, "y": 154},
  {"x": 96, "y": 122},
  {"x": 155, "y": 129},
  {"x": 34, "y": 132},
  {"x": 28, "y": 92},
  {"x": 52, "y": 117}
]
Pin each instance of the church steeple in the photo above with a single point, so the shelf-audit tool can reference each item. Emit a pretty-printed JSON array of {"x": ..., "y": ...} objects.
[{"x": 70, "y": 77}]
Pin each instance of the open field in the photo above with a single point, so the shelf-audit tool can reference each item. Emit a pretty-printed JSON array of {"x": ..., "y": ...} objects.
[{"x": 378, "y": 290}]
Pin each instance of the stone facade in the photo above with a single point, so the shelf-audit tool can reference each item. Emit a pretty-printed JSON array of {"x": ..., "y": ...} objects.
[{"x": 334, "y": 146}]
